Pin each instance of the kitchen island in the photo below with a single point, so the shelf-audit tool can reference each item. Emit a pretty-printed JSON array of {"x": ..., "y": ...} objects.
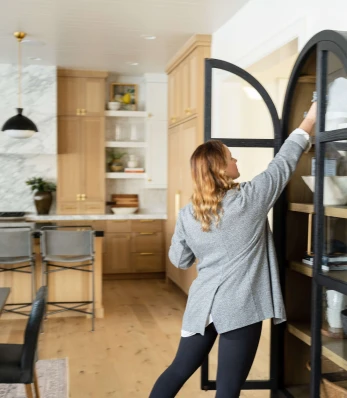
[{"x": 126, "y": 246}]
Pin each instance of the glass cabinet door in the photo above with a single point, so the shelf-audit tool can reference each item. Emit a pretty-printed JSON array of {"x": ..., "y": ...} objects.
[
  {"x": 240, "y": 113},
  {"x": 329, "y": 183}
]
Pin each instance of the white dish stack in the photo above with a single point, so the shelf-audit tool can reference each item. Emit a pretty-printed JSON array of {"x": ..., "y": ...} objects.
[{"x": 336, "y": 302}]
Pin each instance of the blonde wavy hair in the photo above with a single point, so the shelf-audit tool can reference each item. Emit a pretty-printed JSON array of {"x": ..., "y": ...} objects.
[{"x": 210, "y": 182}]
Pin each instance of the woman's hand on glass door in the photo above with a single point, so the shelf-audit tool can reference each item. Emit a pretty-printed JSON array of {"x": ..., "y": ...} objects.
[{"x": 310, "y": 119}]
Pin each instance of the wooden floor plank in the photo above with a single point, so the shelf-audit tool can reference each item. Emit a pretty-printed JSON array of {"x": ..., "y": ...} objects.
[{"x": 131, "y": 346}]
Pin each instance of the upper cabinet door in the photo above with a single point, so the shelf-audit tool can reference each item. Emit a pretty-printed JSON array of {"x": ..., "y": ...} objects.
[
  {"x": 93, "y": 97},
  {"x": 173, "y": 93},
  {"x": 93, "y": 161},
  {"x": 69, "y": 165},
  {"x": 70, "y": 96}
]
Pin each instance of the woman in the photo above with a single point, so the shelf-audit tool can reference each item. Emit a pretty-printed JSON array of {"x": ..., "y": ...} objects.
[{"x": 225, "y": 227}]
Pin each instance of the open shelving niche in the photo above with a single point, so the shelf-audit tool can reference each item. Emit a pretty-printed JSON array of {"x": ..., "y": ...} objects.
[{"x": 136, "y": 146}]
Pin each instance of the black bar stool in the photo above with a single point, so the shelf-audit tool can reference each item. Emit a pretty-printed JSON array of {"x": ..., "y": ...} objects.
[
  {"x": 16, "y": 255},
  {"x": 68, "y": 245}
]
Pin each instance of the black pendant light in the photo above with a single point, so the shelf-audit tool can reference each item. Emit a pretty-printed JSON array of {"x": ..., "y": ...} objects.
[{"x": 19, "y": 126}]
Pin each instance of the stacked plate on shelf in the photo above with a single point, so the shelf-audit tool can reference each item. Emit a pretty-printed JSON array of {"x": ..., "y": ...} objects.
[{"x": 124, "y": 203}]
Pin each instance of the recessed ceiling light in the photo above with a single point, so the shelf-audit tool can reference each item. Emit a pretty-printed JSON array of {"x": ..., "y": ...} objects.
[
  {"x": 149, "y": 37},
  {"x": 35, "y": 59},
  {"x": 132, "y": 63}
]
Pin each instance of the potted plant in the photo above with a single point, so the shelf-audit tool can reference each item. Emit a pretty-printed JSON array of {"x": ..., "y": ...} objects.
[
  {"x": 42, "y": 193},
  {"x": 114, "y": 161}
]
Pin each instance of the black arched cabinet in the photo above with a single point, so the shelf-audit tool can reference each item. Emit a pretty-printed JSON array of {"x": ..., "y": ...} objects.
[{"x": 309, "y": 352}]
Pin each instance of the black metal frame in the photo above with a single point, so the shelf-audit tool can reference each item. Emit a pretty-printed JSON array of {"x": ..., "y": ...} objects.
[
  {"x": 319, "y": 280},
  {"x": 322, "y": 42},
  {"x": 69, "y": 305},
  {"x": 276, "y": 333}
]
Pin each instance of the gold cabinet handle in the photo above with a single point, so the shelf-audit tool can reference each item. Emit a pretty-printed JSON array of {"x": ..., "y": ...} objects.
[
  {"x": 177, "y": 203},
  {"x": 150, "y": 115},
  {"x": 83, "y": 112},
  {"x": 83, "y": 196},
  {"x": 188, "y": 111},
  {"x": 78, "y": 112},
  {"x": 118, "y": 221},
  {"x": 173, "y": 120},
  {"x": 147, "y": 220},
  {"x": 149, "y": 179},
  {"x": 146, "y": 254},
  {"x": 78, "y": 196},
  {"x": 146, "y": 233}
]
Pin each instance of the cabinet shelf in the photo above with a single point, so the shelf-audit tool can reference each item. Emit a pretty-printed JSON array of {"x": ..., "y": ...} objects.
[
  {"x": 299, "y": 391},
  {"x": 301, "y": 268},
  {"x": 125, "y": 144},
  {"x": 134, "y": 176},
  {"x": 330, "y": 211},
  {"x": 333, "y": 349},
  {"x": 304, "y": 269},
  {"x": 126, "y": 114},
  {"x": 307, "y": 79}
]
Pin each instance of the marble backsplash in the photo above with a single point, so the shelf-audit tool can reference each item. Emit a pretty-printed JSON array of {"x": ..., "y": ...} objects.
[
  {"x": 36, "y": 156},
  {"x": 15, "y": 195},
  {"x": 39, "y": 100}
]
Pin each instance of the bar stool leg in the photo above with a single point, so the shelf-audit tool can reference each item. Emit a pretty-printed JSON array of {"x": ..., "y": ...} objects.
[
  {"x": 33, "y": 280},
  {"x": 44, "y": 283},
  {"x": 93, "y": 296}
]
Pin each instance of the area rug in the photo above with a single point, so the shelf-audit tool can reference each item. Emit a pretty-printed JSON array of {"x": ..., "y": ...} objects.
[{"x": 53, "y": 378}]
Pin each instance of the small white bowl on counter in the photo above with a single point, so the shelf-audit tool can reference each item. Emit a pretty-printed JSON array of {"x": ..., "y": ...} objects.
[{"x": 124, "y": 210}]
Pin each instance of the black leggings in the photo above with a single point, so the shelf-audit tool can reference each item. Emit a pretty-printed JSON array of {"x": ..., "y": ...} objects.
[{"x": 236, "y": 353}]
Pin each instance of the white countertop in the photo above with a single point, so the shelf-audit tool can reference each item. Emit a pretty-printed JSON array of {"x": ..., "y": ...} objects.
[{"x": 140, "y": 215}]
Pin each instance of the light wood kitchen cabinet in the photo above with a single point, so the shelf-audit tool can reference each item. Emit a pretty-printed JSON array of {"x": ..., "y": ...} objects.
[
  {"x": 140, "y": 245},
  {"x": 147, "y": 262},
  {"x": 81, "y": 93},
  {"x": 81, "y": 142},
  {"x": 186, "y": 79},
  {"x": 69, "y": 95},
  {"x": 93, "y": 162},
  {"x": 69, "y": 165},
  {"x": 147, "y": 242},
  {"x": 81, "y": 182},
  {"x": 117, "y": 253},
  {"x": 186, "y": 110}
]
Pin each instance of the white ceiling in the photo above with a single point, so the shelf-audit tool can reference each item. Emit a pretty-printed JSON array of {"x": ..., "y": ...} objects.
[{"x": 106, "y": 34}]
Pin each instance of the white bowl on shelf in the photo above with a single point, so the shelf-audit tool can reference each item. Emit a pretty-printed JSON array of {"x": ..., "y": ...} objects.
[
  {"x": 113, "y": 106},
  {"x": 335, "y": 189},
  {"x": 124, "y": 210}
]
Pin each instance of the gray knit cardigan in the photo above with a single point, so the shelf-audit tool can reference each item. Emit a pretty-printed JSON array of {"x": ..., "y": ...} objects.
[{"x": 238, "y": 280}]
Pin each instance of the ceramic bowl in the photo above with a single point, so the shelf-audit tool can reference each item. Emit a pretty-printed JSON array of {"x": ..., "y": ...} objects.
[
  {"x": 113, "y": 106},
  {"x": 124, "y": 210},
  {"x": 335, "y": 189}
]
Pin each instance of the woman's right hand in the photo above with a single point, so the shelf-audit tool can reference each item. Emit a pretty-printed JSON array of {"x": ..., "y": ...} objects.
[
  {"x": 310, "y": 119},
  {"x": 312, "y": 113}
]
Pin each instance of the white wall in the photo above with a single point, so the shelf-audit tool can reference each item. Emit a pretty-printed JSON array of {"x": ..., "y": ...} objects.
[{"x": 262, "y": 26}]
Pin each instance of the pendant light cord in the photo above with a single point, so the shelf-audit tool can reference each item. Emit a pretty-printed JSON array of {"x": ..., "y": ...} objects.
[{"x": 19, "y": 74}]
